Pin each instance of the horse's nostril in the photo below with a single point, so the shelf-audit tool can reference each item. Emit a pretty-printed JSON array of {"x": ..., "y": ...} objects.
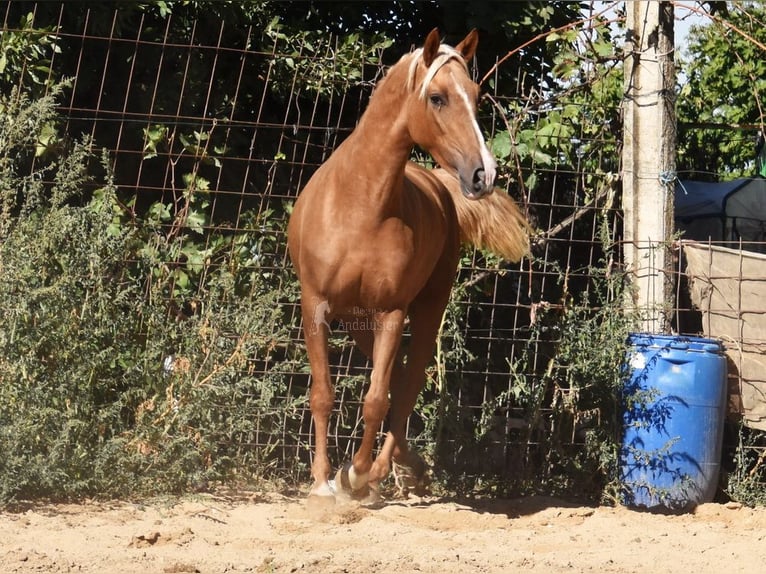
[{"x": 478, "y": 180}]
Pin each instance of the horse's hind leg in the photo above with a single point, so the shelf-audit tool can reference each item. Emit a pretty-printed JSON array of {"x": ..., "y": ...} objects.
[
  {"x": 425, "y": 319},
  {"x": 321, "y": 399}
]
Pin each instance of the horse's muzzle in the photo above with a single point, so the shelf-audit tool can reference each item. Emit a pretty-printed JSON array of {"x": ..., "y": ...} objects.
[{"x": 478, "y": 186}]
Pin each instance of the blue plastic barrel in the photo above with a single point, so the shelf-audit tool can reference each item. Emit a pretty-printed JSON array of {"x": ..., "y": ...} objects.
[{"x": 674, "y": 406}]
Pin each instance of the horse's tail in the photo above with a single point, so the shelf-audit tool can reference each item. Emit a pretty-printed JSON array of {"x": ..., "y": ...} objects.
[{"x": 493, "y": 222}]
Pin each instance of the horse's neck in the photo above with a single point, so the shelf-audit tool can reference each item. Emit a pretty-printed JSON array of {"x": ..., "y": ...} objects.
[{"x": 377, "y": 151}]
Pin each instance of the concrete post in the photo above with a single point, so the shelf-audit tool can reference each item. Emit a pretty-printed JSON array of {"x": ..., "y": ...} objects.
[{"x": 648, "y": 159}]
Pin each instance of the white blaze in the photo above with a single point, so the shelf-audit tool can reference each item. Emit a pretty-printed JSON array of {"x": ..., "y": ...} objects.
[{"x": 487, "y": 159}]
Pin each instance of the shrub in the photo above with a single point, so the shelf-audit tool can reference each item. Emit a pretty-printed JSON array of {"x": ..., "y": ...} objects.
[{"x": 106, "y": 386}]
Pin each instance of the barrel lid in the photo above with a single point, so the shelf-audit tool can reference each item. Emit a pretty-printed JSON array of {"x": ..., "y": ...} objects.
[{"x": 679, "y": 342}]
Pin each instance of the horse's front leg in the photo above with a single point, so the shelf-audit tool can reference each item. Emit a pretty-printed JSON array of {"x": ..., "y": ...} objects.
[
  {"x": 361, "y": 475},
  {"x": 321, "y": 400}
]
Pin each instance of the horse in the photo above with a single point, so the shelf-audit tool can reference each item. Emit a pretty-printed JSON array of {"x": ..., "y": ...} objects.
[{"x": 375, "y": 241}]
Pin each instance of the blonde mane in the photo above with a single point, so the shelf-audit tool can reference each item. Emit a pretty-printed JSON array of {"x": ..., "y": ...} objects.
[
  {"x": 444, "y": 55},
  {"x": 494, "y": 222}
]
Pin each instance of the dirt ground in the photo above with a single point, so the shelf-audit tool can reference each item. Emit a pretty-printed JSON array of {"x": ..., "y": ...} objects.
[{"x": 213, "y": 534}]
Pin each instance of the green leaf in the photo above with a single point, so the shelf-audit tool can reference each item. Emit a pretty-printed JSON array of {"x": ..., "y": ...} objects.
[
  {"x": 603, "y": 48},
  {"x": 501, "y": 145},
  {"x": 195, "y": 257},
  {"x": 45, "y": 139},
  {"x": 196, "y": 221},
  {"x": 159, "y": 212},
  {"x": 181, "y": 279}
]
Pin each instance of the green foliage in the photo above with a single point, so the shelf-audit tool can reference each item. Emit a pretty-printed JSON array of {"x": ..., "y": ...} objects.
[
  {"x": 21, "y": 124},
  {"x": 722, "y": 83},
  {"x": 572, "y": 127},
  {"x": 553, "y": 426},
  {"x": 113, "y": 379},
  {"x": 747, "y": 482},
  {"x": 59, "y": 353},
  {"x": 25, "y": 56},
  {"x": 576, "y": 396},
  {"x": 305, "y": 55}
]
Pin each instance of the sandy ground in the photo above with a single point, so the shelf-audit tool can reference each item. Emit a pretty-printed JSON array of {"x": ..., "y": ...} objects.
[{"x": 210, "y": 534}]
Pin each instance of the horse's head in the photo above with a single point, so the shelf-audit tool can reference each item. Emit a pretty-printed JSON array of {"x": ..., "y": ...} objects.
[{"x": 442, "y": 112}]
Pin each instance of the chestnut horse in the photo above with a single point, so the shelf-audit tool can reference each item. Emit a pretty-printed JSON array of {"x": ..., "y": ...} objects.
[{"x": 375, "y": 239}]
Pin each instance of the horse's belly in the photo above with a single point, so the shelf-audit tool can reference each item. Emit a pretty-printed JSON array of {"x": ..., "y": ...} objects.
[{"x": 375, "y": 274}]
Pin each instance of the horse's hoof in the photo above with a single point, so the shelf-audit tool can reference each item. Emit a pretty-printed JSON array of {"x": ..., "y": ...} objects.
[
  {"x": 412, "y": 476},
  {"x": 373, "y": 497},
  {"x": 344, "y": 480}
]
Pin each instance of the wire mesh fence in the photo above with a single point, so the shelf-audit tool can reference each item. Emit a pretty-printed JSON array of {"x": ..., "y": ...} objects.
[
  {"x": 212, "y": 130},
  {"x": 226, "y": 126}
]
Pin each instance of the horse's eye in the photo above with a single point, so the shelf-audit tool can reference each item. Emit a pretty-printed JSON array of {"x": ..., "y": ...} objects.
[{"x": 436, "y": 100}]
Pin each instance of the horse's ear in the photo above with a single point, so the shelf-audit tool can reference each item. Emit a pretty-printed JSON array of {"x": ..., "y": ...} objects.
[
  {"x": 468, "y": 46},
  {"x": 431, "y": 47}
]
